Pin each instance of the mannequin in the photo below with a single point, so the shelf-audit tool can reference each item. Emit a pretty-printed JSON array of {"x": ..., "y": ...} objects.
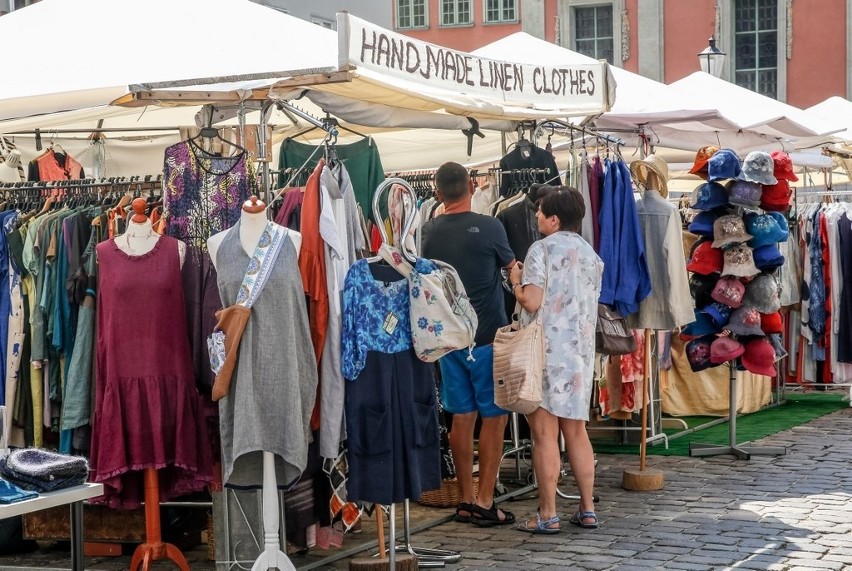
[
  {"x": 9, "y": 169},
  {"x": 252, "y": 223},
  {"x": 139, "y": 237}
]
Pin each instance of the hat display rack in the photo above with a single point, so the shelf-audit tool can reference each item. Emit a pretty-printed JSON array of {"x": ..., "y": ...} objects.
[{"x": 737, "y": 297}]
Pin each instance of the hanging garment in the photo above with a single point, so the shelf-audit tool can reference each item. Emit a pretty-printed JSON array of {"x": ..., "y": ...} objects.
[
  {"x": 203, "y": 194},
  {"x": 669, "y": 304},
  {"x": 274, "y": 384},
  {"x": 844, "y": 332},
  {"x": 147, "y": 411},
  {"x": 362, "y": 160},
  {"x": 626, "y": 281},
  {"x": 55, "y": 166},
  {"x": 391, "y": 412},
  {"x": 531, "y": 157}
]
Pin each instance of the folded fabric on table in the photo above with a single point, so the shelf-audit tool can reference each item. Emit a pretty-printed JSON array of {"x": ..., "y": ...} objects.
[
  {"x": 42, "y": 470},
  {"x": 10, "y": 493}
]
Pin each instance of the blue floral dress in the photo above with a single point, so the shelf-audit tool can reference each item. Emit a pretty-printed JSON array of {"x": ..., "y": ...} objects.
[{"x": 570, "y": 313}]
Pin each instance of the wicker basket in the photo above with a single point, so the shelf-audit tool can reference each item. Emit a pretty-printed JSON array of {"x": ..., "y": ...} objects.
[
  {"x": 211, "y": 538},
  {"x": 448, "y": 495}
]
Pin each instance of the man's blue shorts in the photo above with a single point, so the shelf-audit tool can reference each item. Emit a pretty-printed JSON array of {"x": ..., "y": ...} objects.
[{"x": 468, "y": 386}]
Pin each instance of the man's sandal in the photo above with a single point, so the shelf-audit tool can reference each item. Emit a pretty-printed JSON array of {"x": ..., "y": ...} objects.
[
  {"x": 541, "y": 527},
  {"x": 579, "y": 518},
  {"x": 463, "y": 507},
  {"x": 490, "y": 517}
]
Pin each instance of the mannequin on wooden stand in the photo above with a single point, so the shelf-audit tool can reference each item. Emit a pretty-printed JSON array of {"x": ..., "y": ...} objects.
[
  {"x": 253, "y": 221},
  {"x": 139, "y": 238}
]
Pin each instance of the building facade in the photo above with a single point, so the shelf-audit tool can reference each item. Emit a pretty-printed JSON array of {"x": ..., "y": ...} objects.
[
  {"x": 323, "y": 12},
  {"x": 798, "y": 52}
]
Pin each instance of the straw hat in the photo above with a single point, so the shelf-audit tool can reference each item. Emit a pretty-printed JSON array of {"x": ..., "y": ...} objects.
[{"x": 652, "y": 172}]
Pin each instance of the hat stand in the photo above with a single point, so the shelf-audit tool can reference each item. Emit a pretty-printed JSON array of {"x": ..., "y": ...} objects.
[
  {"x": 741, "y": 452},
  {"x": 644, "y": 479}
]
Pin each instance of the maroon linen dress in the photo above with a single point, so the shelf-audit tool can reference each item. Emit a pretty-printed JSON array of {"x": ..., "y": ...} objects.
[{"x": 147, "y": 411}]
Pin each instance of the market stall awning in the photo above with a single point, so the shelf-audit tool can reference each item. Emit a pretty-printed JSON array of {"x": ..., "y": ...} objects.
[
  {"x": 121, "y": 44},
  {"x": 838, "y": 111}
]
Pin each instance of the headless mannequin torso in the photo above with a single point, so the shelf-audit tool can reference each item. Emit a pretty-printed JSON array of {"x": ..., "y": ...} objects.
[
  {"x": 139, "y": 238},
  {"x": 252, "y": 223},
  {"x": 9, "y": 168}
]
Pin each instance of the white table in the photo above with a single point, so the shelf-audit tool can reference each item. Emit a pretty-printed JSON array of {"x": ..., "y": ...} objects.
[{"x": 73, "y": 496}]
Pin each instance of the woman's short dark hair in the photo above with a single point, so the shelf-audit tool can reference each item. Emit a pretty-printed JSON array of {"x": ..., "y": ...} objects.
[{"x": 566, "y": 203}]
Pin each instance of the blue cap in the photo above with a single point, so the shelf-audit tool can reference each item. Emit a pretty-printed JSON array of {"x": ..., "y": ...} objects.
[
  {"x": 764, "y": 230},
  {"x": 781, "y": 220},
  {"x": 708, "y": 195},
  {"x": 723, "y": 164},
  {"x": 703, "y": 325},
  {"x": 702, "y": 224},
  {"x": 768, "y": 257},
  {"x": 719, "y": 313}
]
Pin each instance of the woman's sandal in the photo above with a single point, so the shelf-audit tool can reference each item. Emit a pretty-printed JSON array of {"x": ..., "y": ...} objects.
[
  {"x": 541, "y": 527},
  {"x": 463, "y": 507},
  {"x": 579, "y": 517},
  {"x": 489, "y": 517}
]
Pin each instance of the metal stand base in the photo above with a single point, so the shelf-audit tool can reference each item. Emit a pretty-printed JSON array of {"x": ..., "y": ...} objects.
[
  {"x": 741, "y": 452},
  {"x": 426, "y": 557}
]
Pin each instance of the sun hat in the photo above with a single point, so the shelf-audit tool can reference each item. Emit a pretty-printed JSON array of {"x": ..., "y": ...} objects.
[
  {"x": 771, "y": 323},
  {"x": 699, "y": 167},
  {"x": 729, "y": 229},
  {"x": 708, "y": 195},
  {"x": 698, "y": 353},
  {"x": 701, "y": 286},
  {"x": 759, "y": 357},
  {"x": 719, "y": 313},
  {"x": 702, "y": 224},
  {"x": 705, "y": 259},
  {"x": 764, "y": 229},
  {"x": 744, "y": 193},
  {"x": 783, "y": 166},
  {"x": 725, "y": 349},
  {"x": 703, "y": 325},
  {"x": 652, "y": 172},
  {"x": 745, "y": 321},
  {"x": 722, "y": 165},
  {"x": 768, "y": 257},
  {"x": 729, "y": 291},
  {"x": 762, "y": 294},
  {"x": 778, "y": 345},
  {"x": 739, "y": 261},
  {"x": 776, "y": 197},
  {"x": 758, "y": 167},
  {"x": 781, "y": 220}
]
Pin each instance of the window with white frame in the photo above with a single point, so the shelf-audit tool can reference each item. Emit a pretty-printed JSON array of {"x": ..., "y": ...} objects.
[
  {"x": 456, "y": 12},
  {"x": 501, "y": 11},
  {"x": 593, "y": 31},
  {"x": 410, "y": 14},
  {"x": 756, "y": 46}
]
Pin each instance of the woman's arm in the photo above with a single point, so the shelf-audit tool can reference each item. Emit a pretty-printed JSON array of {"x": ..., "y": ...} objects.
[{"x": 529, "y": 296}]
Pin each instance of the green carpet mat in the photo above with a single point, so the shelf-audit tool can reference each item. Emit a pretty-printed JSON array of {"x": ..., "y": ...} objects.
[{"x": 798, "y": 409}]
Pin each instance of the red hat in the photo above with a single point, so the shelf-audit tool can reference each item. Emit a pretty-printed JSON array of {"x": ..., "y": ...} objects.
[
  {"x": 706, "y": 259},
  {"x": 771, "y": 323},
  {"x": 783, "y": 169},
  {"x": 759, "y": 357},
  {"x": 699, "y": 167},
  {"x": 729, "y": 291},
  {"x": 776, "y": 197},
  {"x": 725, "y": 349}
]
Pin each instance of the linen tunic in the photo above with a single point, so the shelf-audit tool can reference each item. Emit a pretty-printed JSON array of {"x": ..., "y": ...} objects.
[
  {"x": 269, "y": 402},
  {"x": 569, "y": 315}
]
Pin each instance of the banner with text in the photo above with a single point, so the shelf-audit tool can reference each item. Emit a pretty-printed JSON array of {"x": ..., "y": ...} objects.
[{"x": 370, "y": 47}]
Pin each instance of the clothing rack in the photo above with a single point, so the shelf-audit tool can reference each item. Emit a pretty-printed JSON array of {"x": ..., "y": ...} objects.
[{"x": 154, "y": 180}]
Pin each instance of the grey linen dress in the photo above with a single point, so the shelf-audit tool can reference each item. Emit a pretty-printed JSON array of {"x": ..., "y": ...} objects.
[{"x": 269, "y": 403}]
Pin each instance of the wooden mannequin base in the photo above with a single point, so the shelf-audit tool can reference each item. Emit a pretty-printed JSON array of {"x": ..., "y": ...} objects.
[
  {"x": 642, "y": 480},
  {"x": 147, "y": 553},
  {"x": 403, "y": 563}
]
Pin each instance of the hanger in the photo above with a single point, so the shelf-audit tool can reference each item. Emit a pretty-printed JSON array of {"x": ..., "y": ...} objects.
[
  {"x": 212, "y": 133},
  {"x": 409, "y": 217}
]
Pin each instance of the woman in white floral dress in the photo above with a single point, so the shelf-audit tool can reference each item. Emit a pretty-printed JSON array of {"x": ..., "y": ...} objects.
[{"x": 572, "y": 271}]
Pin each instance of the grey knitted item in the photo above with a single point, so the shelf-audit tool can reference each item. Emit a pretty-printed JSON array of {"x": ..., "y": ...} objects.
[{"x": 44, "y": 464}]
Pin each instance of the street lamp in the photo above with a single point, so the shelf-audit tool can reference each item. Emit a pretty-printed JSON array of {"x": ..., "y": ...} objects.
[{"x": 712, "y": 59}]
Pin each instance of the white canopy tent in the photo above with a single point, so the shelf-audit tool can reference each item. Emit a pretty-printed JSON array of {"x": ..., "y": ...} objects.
[{"x": 837, "y": 111}]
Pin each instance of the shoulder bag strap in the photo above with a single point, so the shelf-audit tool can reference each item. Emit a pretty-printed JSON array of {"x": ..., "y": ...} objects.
[
  {"x": 396, "y": 260},
  {"x": 260, "y": 266}
]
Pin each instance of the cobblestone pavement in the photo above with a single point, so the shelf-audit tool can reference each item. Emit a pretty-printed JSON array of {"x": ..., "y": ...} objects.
[{"x": 791, "y": 512}]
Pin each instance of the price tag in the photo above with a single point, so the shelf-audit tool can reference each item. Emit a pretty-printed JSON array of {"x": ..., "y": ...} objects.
[{"x": 390, "y": 323}]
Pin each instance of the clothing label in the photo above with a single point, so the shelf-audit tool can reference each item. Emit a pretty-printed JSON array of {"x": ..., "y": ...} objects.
[{"x": 390, "y": 323}]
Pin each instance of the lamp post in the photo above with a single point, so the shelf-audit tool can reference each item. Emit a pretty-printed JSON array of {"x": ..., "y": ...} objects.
[{"x": 712, "y": 58}]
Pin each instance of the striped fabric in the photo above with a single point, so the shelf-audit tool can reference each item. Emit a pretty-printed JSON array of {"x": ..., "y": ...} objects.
[{"x": 5, "y": 146}]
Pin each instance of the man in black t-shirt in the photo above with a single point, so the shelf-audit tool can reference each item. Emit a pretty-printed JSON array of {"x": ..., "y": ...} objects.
[{"x": 477, "y": 247}]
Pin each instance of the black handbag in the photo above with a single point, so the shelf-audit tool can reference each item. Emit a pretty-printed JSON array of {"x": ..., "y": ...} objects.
[{"x": 612, "y": 337}]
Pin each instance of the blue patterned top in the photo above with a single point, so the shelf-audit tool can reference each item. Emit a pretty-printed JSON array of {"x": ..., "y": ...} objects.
[{"x": 375, "y": 315}]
